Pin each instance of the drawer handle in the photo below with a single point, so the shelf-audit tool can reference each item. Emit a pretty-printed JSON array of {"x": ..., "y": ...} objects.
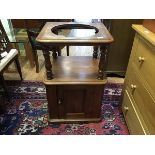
[
  {"x": 59, "y": 101},
  {"x": 126, "y": 109},
  {"x": 133, "y": 87},
  {"x": 141, "y": 59}
]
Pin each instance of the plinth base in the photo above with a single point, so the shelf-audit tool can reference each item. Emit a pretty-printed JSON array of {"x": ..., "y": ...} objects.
[{"x": 74, "y": 120}]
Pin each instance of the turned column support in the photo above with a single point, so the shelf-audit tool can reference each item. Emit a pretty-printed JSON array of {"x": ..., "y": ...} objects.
[
  {"x": 95, "y": 52},
  {"x": 54, "y": 52},
  {"x": 102, "y": 63},
  {"x": 48, "y": 64}
]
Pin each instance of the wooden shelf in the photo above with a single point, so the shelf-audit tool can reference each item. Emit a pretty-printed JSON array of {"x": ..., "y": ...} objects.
[{"x": 74, "y": 70}]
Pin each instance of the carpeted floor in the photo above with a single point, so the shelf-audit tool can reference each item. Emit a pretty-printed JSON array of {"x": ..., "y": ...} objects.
[{"x": 26, "y": 113}]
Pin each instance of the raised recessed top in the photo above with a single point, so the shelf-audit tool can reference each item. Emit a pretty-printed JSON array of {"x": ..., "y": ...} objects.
[{"x": 74, "y": 33}]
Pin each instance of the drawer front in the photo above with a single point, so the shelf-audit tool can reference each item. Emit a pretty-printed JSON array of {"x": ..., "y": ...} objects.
[
  {"x": 144, "y": 59},
  {"x": 142, "y": 98},
  {"x": 132, "y": 119}
]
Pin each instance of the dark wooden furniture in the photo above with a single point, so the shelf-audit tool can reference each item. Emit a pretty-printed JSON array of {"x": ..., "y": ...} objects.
[
  {"x": 74, "y": 85},
  {"x": 74, "y": 94},
  {"x": 120, "y": 49},
  {"x": 12, "y": 55},
  {"x": 33, "y": 33},
  {"x": 34, "y": 23}
]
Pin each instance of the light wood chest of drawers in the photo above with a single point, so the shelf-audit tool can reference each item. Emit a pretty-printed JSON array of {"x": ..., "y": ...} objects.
[{"x": 139, "y": 90}]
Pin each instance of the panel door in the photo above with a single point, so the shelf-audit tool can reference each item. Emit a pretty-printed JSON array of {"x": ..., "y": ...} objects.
[{"x": 79, "y": 101}]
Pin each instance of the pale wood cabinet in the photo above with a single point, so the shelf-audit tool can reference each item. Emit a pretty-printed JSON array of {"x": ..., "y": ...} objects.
[{"x": 139, "y": 90}]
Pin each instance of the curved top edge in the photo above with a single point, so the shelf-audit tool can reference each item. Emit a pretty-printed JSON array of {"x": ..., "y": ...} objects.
[{"x": 145, "y": 33}]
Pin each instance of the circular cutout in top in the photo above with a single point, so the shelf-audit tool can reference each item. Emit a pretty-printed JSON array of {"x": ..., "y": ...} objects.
[{"x": 75, "y": 30}]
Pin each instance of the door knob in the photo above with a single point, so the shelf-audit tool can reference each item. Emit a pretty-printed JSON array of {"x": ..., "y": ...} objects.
[
  {"x": 133, "y": 87},
  {"x": 126, "y": 109},
  {"x": 59, "y": 101},
  {"x": 141, "y": 59}
]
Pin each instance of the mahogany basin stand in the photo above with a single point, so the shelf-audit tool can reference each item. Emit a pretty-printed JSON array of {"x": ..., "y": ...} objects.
[{"x": 74, "y": 84}]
